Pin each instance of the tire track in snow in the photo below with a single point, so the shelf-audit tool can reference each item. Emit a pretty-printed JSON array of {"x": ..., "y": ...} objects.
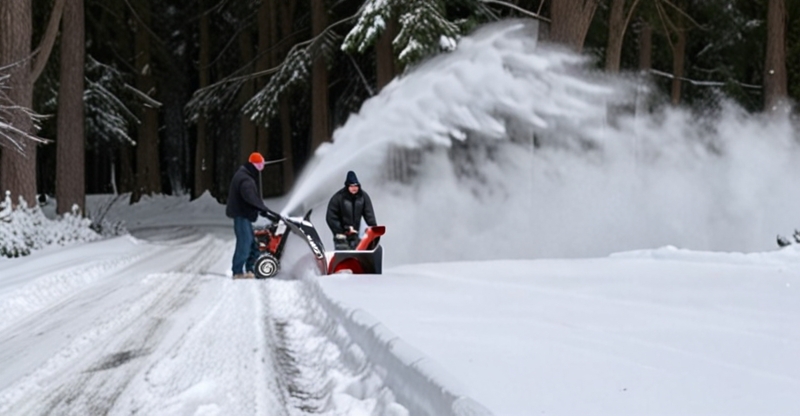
[
  {"x": 90, "y": 373},
  {"x": 47, "y": 290},
  {"x": 221, "y": 365},
  {"x": 318, "y": 376}
]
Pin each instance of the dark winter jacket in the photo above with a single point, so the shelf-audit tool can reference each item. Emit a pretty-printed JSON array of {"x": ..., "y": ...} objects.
[
  {"x": 345, "y": 210},
  {"x": 244, "y": 200}
]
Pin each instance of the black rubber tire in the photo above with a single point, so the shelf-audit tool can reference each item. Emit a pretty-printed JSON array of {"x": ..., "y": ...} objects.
[{"x": 266, "y": 266}]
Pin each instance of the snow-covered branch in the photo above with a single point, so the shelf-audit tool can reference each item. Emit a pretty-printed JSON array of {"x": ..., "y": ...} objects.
[
  {"x": 12, "y": 136},
  {"x": 373, "y": 17},
  {"x": 292, "y": 70},
  {"x": 703, "y": 83},
  {"x": 108, "y": 116}
]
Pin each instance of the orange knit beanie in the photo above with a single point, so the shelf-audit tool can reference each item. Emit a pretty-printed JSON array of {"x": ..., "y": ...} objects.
[{"x": 256, "y": 157}]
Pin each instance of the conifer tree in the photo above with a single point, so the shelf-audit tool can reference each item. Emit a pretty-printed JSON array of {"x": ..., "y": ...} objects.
[{"x": 424, "y": 26}]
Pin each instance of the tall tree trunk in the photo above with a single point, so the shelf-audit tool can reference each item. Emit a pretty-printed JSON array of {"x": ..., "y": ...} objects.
[
  {"x": 203, "y": 161},
  {"x": 174, "y": 126},
  {"x": 775, "y": 79},
  {"x": 148, "y": 172},
  {"x": 287, "y": 9},
  {"x": 617, "y": 25},
  {"x": 70, "y": 149},
  {"x": 248, "y": 128},
  {"x": 266, "y": 31},
  {"x": 319, "y": 80},
  {"x": 646, "y": 47},
  {"x": 678, "y": 59},
  {"x": 48, "y": 40},
  {"x": 570, "y": 20},
  {"x": 18, "y": 168},
  {"x": 127, "y": 178},
  {"x": 385, "y": 66},
  {"x": 174, "y": 133}
]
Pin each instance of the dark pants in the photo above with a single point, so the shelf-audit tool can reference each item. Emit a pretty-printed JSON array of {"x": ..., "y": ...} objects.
[{"x": 246, "y": 252}]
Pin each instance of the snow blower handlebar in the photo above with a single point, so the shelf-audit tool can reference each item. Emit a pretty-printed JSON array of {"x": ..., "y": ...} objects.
[
  {"x": 371, "y": 237},
  {"x": 306, "y": 230},
  {"x": 271, "y": 215}
]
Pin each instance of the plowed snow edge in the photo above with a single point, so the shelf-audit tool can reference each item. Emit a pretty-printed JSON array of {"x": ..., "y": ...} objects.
[{"x": 417, "y": 381}]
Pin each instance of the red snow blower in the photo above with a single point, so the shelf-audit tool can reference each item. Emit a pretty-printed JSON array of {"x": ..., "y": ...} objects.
[{"x": 366, "y": 258}]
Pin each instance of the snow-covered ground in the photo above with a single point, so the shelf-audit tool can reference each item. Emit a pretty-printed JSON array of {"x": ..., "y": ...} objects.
[
  {"x": 657, "y": 332},
  {"x": 520, "y": 278},
  {"x": 151, "y": 323}
]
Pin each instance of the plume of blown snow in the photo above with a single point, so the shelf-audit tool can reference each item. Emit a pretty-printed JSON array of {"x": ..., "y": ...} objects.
[{"x": 520, "y": 150}]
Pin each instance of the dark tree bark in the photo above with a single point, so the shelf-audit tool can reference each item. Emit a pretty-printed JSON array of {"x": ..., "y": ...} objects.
[
  {"x": 126, "y": 180},
  {"x": 678, "y": 62},
  {"x": 248, "y": 128},
  {"x": 570, "y": 20},
  {"x": 319, "y": 81},
  {"x": 127, "y": 177},
  {"x": 176, "y": 34},
  {"x": 266, "y": 35},
  {"x": 48, "y": 40},
  {"x": 70, "y": 149},
  {"x": 18, "y": 168},
  {"x": 287, "y": 10},
  {"x": 148, "y": 172},
  {"x": 385, "y": 66},
  {"x": 646, "y": 47},
  {"x": 617, "y": 25},
  {"x": 203, "y": 161},
  {"x": 679, "y": 56},
  {"x": 775, "y": 77}
]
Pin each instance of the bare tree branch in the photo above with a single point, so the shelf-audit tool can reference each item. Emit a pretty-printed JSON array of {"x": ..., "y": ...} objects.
[
  {"x": 630, "y": 12},
  {"x": 537, "y": 16},
  {"x": 11, "y": 136},
  {"x": 704, "y": 83},
  {"x": 681, "y": 11}
]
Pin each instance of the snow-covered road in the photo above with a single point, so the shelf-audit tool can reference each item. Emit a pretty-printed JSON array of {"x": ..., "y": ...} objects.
[{"x": 154, "y": 326}]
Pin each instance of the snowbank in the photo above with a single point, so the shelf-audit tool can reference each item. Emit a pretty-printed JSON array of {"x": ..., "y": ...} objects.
[{"x": 418, "y": 382}]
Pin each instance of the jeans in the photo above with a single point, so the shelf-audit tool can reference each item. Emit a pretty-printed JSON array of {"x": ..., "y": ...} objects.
[{"x": 246, "y": 252}]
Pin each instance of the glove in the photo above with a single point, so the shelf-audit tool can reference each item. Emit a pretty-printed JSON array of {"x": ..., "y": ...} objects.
[
  {"x": 340, "y": 242},
  {"x": 271, "y": 215}
]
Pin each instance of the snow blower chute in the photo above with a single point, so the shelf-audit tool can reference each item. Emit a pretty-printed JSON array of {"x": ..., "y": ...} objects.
[{"x": 366, "y": 258}]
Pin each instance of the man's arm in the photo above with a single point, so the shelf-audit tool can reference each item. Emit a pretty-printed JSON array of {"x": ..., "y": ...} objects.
[
  {"x": 250, "y": 195},
  {"x": 332, "y": 216},
  {"x": 369, "y": 214}
]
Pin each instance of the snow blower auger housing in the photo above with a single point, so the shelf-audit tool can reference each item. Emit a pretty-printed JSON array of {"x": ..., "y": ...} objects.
[{"x": 366, "y": 258}]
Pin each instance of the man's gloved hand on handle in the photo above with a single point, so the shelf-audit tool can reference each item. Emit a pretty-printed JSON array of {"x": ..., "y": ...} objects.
[{"x": 271, "y": 215}]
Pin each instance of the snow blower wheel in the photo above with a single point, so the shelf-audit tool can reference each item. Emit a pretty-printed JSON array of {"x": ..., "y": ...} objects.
[{"x": 266, "y": 266}]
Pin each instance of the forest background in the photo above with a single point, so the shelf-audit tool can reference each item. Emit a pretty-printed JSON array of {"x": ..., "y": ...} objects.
[{"x": 145, "y": 97}]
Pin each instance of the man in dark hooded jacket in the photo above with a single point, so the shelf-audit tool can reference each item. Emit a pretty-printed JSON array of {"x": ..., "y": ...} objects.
[
  {"x": 244, "y": 206},
  {"x": 345, "y": 210}
]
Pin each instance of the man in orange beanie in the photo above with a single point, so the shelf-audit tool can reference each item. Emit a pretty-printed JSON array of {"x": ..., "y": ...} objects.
[{"x": 244, "y": 206}]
